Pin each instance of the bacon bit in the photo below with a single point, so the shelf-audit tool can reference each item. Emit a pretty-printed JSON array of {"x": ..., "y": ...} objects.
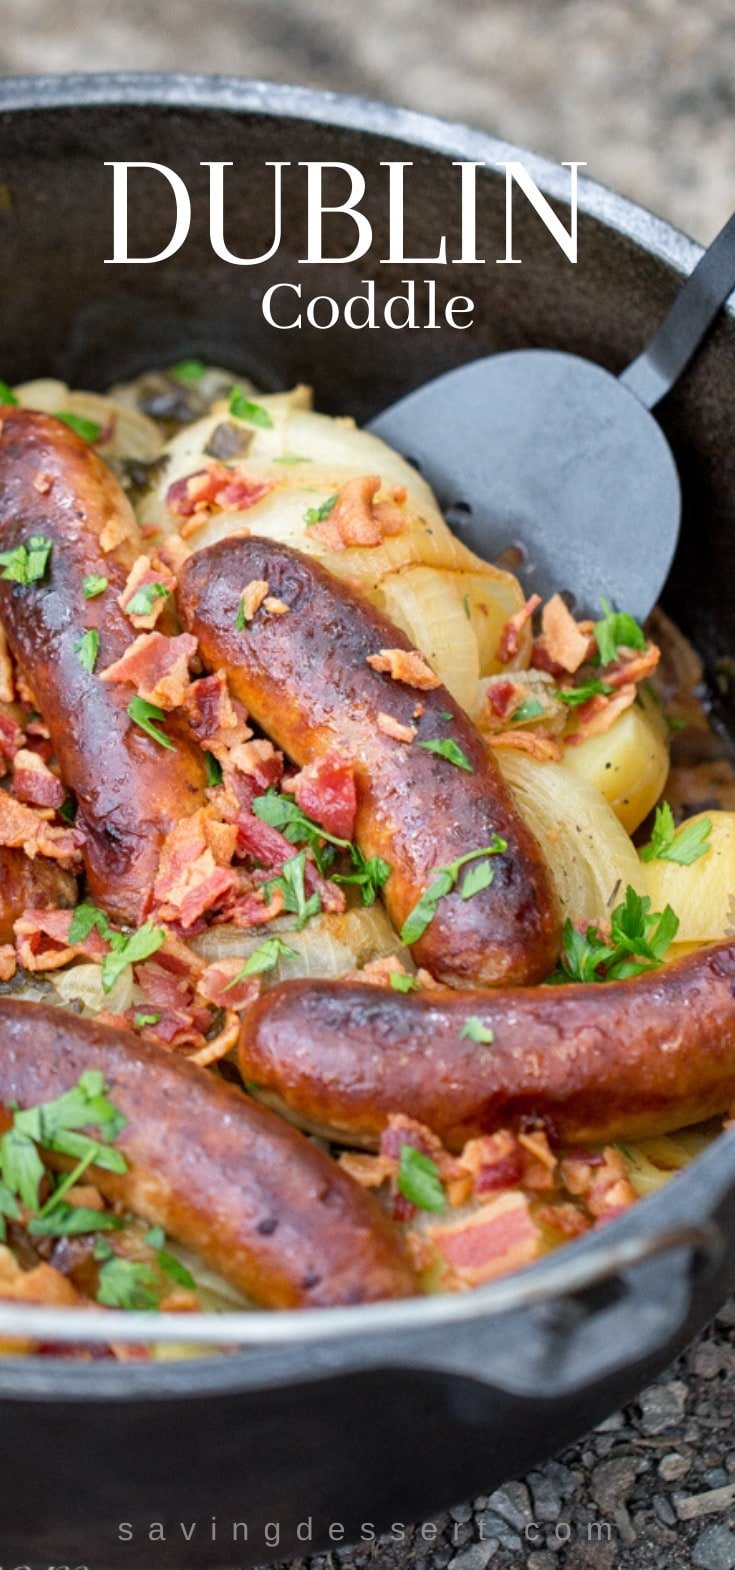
[
  {"x": 377, "y": 972},
  {"x": 12, "y": 738},
  {"x": 270, "y": 848},
  {"x": 603, "y": 1186},
  {"x": 218, "y": 724},
  {"x": 253, "y": 596},
  {"x": 258, "y": 761},
  {"x": 43, "y": 482},
  {"x": 29, "y": 827},
  {"x": 42, "y": 941},
  {"x": 173, "y": 551},
  {"x": 42, "y": 1284},
  {"x": 564, "y": 1218},
  {"x": 7, "y": 962},
  {"x": 503, "y": 697},
  {"x": 7, "y": 683},
  {"x": 368, "y": 1171},
  {"x": 33, "y": 781},
  {"x": 157, "y": 666},
  {"x": 405, "y": 665},
  {"x": 252, "y": 910},
  {"x": 274, "y": 606},
  {"x": 597, "y": 716},
  {"x": 510, "y": 637},
  {"x": 546, "y": 748},
  {"x": 119, "y": 527},
  {"x": 501, "y": 1236},
  {"x": 193, "y": 872},
  {"x": 493, "y": 1161},
  {"x": 215, "y": 985},
  {"x": 216, "y": 488},
  {"x": 418, "y": 711},
  {"x": 143, "y": 572},
  {"x": 539, "y": 1161},
  {"x": 639, "y": 665},
  {"x": 392, "y": 727},
  {"x": 220, "y": 1044},
  {"x": 357, "y": 518},
  {"x": 325, "y": 791},
  {"x": 567, "y": 643}
]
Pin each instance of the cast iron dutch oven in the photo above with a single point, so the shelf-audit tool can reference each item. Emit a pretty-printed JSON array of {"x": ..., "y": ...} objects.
[{"x": 381, "y": 1414}]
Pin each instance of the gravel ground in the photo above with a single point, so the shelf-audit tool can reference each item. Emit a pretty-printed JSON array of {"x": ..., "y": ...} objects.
[{"x": 645, "y": 92}]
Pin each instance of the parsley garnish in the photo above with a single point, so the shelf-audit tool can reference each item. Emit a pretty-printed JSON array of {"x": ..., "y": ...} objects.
[
  {"x": 290, "y": 883},
  {"x": 85, "y": 917},
  {"x": 141, "y": 1019},
  {"x": 419, "y": 1181},
  {"x": 57, "y": 1125},
  {"x": 474, "y": 1030},
  {"x": 26, "y": 563},
  {"x": 265, "y": 957},
  {"x": 638, "y": 941},
  {"x": 530, "y": 709},
  {"x": 125, "y": 1283},
  {"x": 7, "y": 396},
  {"x": 87, "y": 649},
  {"x": 369, "y": 877},
  {"x": 93, "y": 585},
  {"x": 479, "y": 877},
  {"x": 212, "y": 769},
  {"x": 242, "y": 618},
  {"x": 466, "y": 606},
  {"x": 243, "y": 409},
  {"x": 89, "y": 430},
  {"x": 318, "y": 514},
  {"x": 291, "y": 457},
  {"x": 281, "y": 812},
  {"x": 142, "y": 602},
  {"x": 449, "y": 749},
  {"x": 574, "y": 697},
  {"x": 156, "y": 1238},
  {"x": 188, "y": 370},
  {"x": 129, "y": 949},
  {"x": 143, "y": 714},
  {"x": 72, "y": 1221},
  {"x": 68, "y": 809},
  {"x": 402, "y": 982},
  {"x": 617, "y": 630},
  {"x": 683, "y": 846}
]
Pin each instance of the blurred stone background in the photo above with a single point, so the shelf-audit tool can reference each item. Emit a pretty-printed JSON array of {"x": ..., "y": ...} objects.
[{"x": 644, "y": 90}]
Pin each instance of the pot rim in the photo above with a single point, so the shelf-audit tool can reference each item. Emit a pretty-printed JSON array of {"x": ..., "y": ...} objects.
[{"x": 632, "y": 1237}]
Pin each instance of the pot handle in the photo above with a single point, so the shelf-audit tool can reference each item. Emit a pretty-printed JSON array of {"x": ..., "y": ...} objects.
[{"x": 606, "y": 1317}]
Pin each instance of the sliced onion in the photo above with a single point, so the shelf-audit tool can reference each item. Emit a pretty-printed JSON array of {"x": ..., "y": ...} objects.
[
  {"x": 589, "y": 854},
  {"x": 426, "y": 606},
  {"x": 132, "y": 433},
  {"x": 328, "y": 946},
  {"x": 83, "y": 984}
]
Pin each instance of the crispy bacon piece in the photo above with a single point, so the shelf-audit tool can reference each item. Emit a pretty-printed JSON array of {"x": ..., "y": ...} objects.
[
  {"x": 566, "y": 642},
  {"x": 325, "y": 791},
  {"x": 12, "y": 738},
  {"x": 8, "y": 961},
  {"x": 194, "y": 874},
  {"x": 253, "y": 596},
  {"x": 636, "y": 665},
  {"x": 215, "y": 720},
  {"x": 596, "y": 717},
  {"x": 546, "y": 748},
  {"x": 603, "y": 1184},
  {"x": 393, "y": 728},
  {"x": 405, "y": 665},
  {"x": 216, "y": 488},
  {"x": 42, "y": 941},
  {"x": 142, "y": 573},
  {"x": 357, "y": 518},
  {"x": 34, "y": 783},
  {"x": 29, "y": 829},
  {"x": 503, "y": 697},
  {"x": 510, "y": 637},
  {"x": 7, "y": 677},
  {"x": 157, "y": 667},
  {"x": 498, "y": 1237},
  {"x": 218, "y": 985}
]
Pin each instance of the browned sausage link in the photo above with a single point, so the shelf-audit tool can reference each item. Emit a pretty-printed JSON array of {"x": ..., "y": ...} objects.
[
  {"x": 30, "y": 885},
  {"x": 130, "y": 790},
  {"x": 258, "y": 1201},
  {"x": 305, "y": 679},
  {"x": 624, "y": 1059}
]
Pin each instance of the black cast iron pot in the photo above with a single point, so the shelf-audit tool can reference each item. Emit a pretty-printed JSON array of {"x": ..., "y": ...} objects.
[{"x": 352, "y": 1419}]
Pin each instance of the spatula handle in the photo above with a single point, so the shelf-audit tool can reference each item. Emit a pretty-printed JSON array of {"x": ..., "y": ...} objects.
[{"x": 653, "y": 373}]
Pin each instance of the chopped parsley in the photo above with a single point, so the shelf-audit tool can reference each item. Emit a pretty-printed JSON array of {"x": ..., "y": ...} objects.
[
  {"x": 445, "y": 714},
  {"x": 401, "y": 981},
  {"x": 638, "y": 941},
  {"x": 142, "y": 601},
  {"x": 474, "y": 1030},
  {"x": 281, "y": 812},
  {"x": 144, "y": 714},
  {"x": 85, "y": 917},
  {"x": 58, "y": 1125},
  {"x": 188, "y": 370},
  {"x": 212, "y": 769},
  {"x": 616, "y": 630},
  {"x": 171, "y": 1266},
  {"x": 26, "y": 563},
  {"x": 318, "y": 514},
  {"x": 683, "y": 846},
  {"x": 265, "y": 957},
  {"x": 141, "y": 1019},
  {"x": 129, "y": 949},
  {"x": 89, "y": 430},
  {"x": 291, "y": 457},
  {"x": 87, "y": 649},
  {"x": 370, "y": 874},
  {"x": 127, "y": 1283},
  {"x": 93, "y": 585},
  {"x": 253, "y": 413},
  {"x": 7, "y": 396},
  {"x": 479, "y": 877},
  {"x": 450, "y": 750},
  {"x": 419, "y": 1181},
  {"x": 466, "y": 606},
  {"x": 68, "y": 809},
  {"x": 242, "y": 618},
  {"x": 530, "y": 709},
  {"x": 574, "y": 697},
  {"x": 290, "y": 883}
]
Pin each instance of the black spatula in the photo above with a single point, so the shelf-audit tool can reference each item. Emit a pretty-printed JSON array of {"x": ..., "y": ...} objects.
[{"x": 550, "y": 452}]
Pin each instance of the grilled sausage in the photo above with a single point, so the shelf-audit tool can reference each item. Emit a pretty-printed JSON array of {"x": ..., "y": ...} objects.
[
  {"x": 223, "y": 1175},
  {"x": 31, "y": 885},
  {"x": 623, "y": 1059},
  {"x": 304, "y": 678},
  {"x": 130, "y": 790}
]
